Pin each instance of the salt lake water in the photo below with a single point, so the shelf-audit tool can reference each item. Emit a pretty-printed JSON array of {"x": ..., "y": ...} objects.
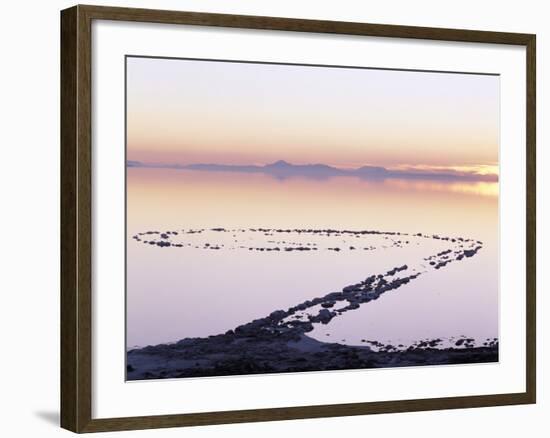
[{"x": 179, "y": 292}]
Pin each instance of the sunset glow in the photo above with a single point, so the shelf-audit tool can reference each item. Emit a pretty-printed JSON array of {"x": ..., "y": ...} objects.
[{"x": 183, "y": 111}]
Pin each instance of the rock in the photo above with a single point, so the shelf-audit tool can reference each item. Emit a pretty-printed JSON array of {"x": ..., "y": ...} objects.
[
  {"x": 370, "y": 280},
  {"x": 324, "y": 316},
  {"x": 277, "y": 315},
  {"x": 471, "y": 252},
  {"x": 333, "y": 296}
]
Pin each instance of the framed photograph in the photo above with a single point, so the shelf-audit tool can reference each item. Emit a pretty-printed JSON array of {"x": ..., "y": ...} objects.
[{"x": 271, "y": 218}]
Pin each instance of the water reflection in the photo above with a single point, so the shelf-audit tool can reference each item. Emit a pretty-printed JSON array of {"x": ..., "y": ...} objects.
[{"x": 173, "y": 295}]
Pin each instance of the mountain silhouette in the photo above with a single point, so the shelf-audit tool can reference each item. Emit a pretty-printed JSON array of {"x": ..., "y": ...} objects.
[{"x": 282, "y": 169}]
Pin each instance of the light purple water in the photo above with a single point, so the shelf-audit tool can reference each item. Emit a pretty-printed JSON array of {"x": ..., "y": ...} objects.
[{"x": 173, "y": 293}]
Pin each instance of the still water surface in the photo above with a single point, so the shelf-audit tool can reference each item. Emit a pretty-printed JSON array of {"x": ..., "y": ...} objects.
[{"x": 174, "y": 293}]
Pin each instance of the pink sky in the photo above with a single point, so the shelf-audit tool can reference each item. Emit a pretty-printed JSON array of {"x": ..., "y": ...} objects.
[{"x": 183, "y": 111}]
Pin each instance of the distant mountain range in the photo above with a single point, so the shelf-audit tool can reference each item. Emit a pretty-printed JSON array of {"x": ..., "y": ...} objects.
[{"x": 282, "y": 169}]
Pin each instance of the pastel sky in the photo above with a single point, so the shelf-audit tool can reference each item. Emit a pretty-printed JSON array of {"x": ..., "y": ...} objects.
[{"x": 186, "y": 111}]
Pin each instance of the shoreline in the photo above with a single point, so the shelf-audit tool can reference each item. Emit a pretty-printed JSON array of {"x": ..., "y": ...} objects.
[{"x": 231, "y": 354}]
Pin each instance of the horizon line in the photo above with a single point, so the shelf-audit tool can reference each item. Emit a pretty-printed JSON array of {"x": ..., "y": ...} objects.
[{"x": 282, "y": 168}]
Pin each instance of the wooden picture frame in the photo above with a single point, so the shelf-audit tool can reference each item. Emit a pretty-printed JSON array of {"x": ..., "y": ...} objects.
[{"x": 76, "y": 217}]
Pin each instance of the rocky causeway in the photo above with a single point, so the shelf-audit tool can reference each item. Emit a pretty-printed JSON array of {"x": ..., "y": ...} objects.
[{"x": 278, "y": 342}]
